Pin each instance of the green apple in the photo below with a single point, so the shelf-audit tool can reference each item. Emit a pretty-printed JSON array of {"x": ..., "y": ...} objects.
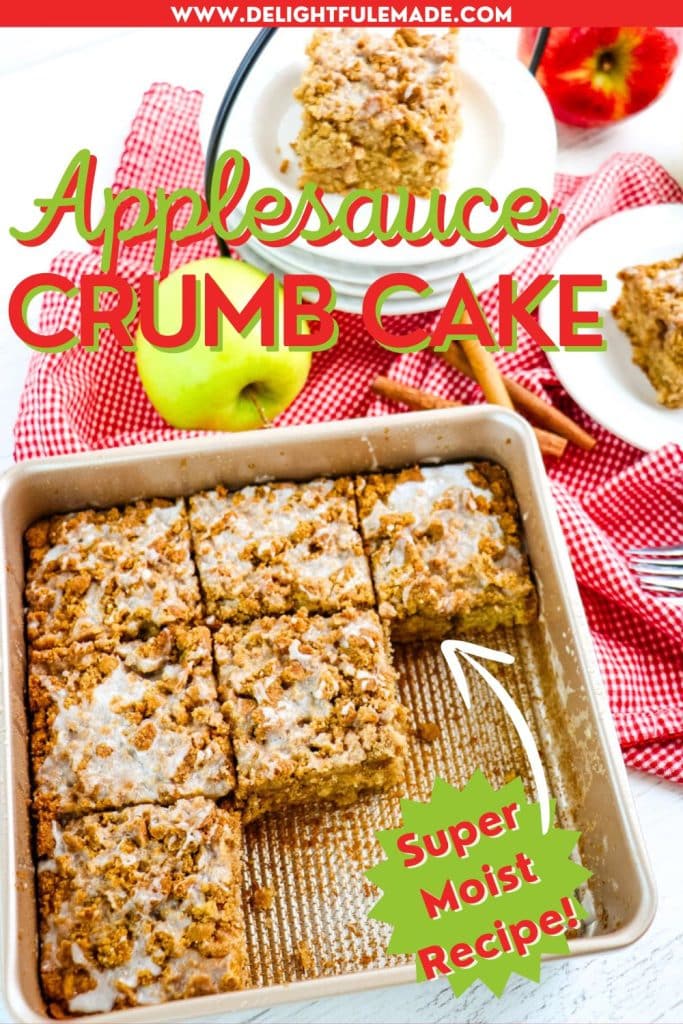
[{"x": 231, "y": 387}]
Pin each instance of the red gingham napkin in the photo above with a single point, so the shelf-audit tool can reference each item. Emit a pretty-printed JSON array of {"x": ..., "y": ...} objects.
[{"x": 608, "y": 499}]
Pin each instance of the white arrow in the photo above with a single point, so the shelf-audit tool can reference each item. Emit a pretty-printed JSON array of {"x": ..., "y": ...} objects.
[{"x": 450, "y": 650}]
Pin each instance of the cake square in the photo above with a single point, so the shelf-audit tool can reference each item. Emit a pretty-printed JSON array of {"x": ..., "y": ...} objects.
[
  {"x": 650, "y": 311},
  {"x": 140, "y": 906},
  {"x": 126, "y": 723},
  {"x": 446, "y": 549},
  {"x": 313, "y": 706},
  {"x": 110, "y": 573},
  {"x": 273, "y": 548},
  {"x": 378, "y": 112}
]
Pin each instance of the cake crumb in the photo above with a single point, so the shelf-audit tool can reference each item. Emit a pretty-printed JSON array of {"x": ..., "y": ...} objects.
[
  {"x": 304, "y": 957},
  {"x": 284, "y": 166},
  {"x": 261, "y": 897},
  {"x": 428, "y": 732}
]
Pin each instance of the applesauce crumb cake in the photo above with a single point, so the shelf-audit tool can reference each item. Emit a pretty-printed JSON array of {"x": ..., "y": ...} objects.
[
  {"x": 136, "y": 737},
  {"x": 110, "y": 573},
  {"x": 276, "y": 547},
  {"x": 126, "y": 723},
  {"x": 445, "y": 548},
  {"x": 650, "y": 311},
  {"x": 313, "y": 706},
  {"x": 377, "y": 111},
  {"x": 140, "y": 906}
]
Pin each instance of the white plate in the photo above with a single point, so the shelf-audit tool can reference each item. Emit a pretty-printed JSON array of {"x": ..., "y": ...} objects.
[
  {"x": 608, "y": 385},
  {"x": 349, "y": 297},
  {"x": 508, "y": 138},
  {"x": 299, "y": 260},
  {"x": 501, "y": 259},
  {"x": 353, "y": 303}
]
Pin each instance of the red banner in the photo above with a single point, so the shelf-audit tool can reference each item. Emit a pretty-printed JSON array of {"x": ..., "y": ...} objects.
[{"x": 505, "y": 13}]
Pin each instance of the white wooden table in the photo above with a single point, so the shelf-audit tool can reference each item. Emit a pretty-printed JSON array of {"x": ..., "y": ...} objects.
[{"x": 61, "y": 90}]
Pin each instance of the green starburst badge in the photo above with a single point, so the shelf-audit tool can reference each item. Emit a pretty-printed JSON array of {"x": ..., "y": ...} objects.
[{"x": 474, "y": 887}]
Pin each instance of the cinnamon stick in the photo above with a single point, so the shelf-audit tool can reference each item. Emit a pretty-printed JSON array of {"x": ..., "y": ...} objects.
[
  {"x": 549, "y": 443},
  {"x": 394, "y": 391},
  {"x": 526, "y": 401},
  {"x": 486, "y": 372}
]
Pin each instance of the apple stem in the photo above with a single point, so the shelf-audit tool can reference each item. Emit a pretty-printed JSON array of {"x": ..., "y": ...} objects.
[{"x": 251, "y": 394}]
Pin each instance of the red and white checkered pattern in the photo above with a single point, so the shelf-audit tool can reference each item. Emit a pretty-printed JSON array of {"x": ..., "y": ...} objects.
[{"x": 608, "y": 499}]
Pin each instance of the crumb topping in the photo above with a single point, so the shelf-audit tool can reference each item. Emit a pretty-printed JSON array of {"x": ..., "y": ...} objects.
[
  {"x": 276, "y": 547},
  {"x": 442, "y": 539},
  {"x": 307, "y": 694},
  {"x": 111, "y": 573},
  {"x": 369, "y": 76},
  {"x": 119, "y": 724},
  {"x": 378, "y": 111},
  {"x": 141, "y": 906},
  {"x": 665, "y": 279}
]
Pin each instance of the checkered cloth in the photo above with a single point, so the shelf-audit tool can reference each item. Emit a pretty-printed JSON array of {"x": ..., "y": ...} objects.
[{"x": 608, "y": 499}]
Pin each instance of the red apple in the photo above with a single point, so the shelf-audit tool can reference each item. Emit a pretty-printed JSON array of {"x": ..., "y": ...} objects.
[{"x": 593, "y": 76}]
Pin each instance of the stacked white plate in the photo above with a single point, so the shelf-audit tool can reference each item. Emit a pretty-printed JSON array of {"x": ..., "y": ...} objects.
[{"x": 508, "y": 141}]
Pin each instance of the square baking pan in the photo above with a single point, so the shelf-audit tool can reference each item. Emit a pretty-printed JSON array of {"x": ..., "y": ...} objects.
[{"x": 316, "y": 940}]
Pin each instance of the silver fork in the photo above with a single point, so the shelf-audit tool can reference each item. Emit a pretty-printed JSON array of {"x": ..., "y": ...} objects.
[{"x": 658, "y": 569}]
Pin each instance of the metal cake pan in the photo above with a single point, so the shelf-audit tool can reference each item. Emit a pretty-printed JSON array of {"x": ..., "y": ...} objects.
[{"x": 315, "y": 858}]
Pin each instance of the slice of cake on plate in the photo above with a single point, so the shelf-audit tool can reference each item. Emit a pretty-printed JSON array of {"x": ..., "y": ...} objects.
[
  {"x": 650, "y": 311},
  {"x": 378, "y": 111}
]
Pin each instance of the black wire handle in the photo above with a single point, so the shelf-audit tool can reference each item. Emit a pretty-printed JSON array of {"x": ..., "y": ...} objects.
[
  {"x": 538, "y": 50},
  {"x": 227, "y": 103}
]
